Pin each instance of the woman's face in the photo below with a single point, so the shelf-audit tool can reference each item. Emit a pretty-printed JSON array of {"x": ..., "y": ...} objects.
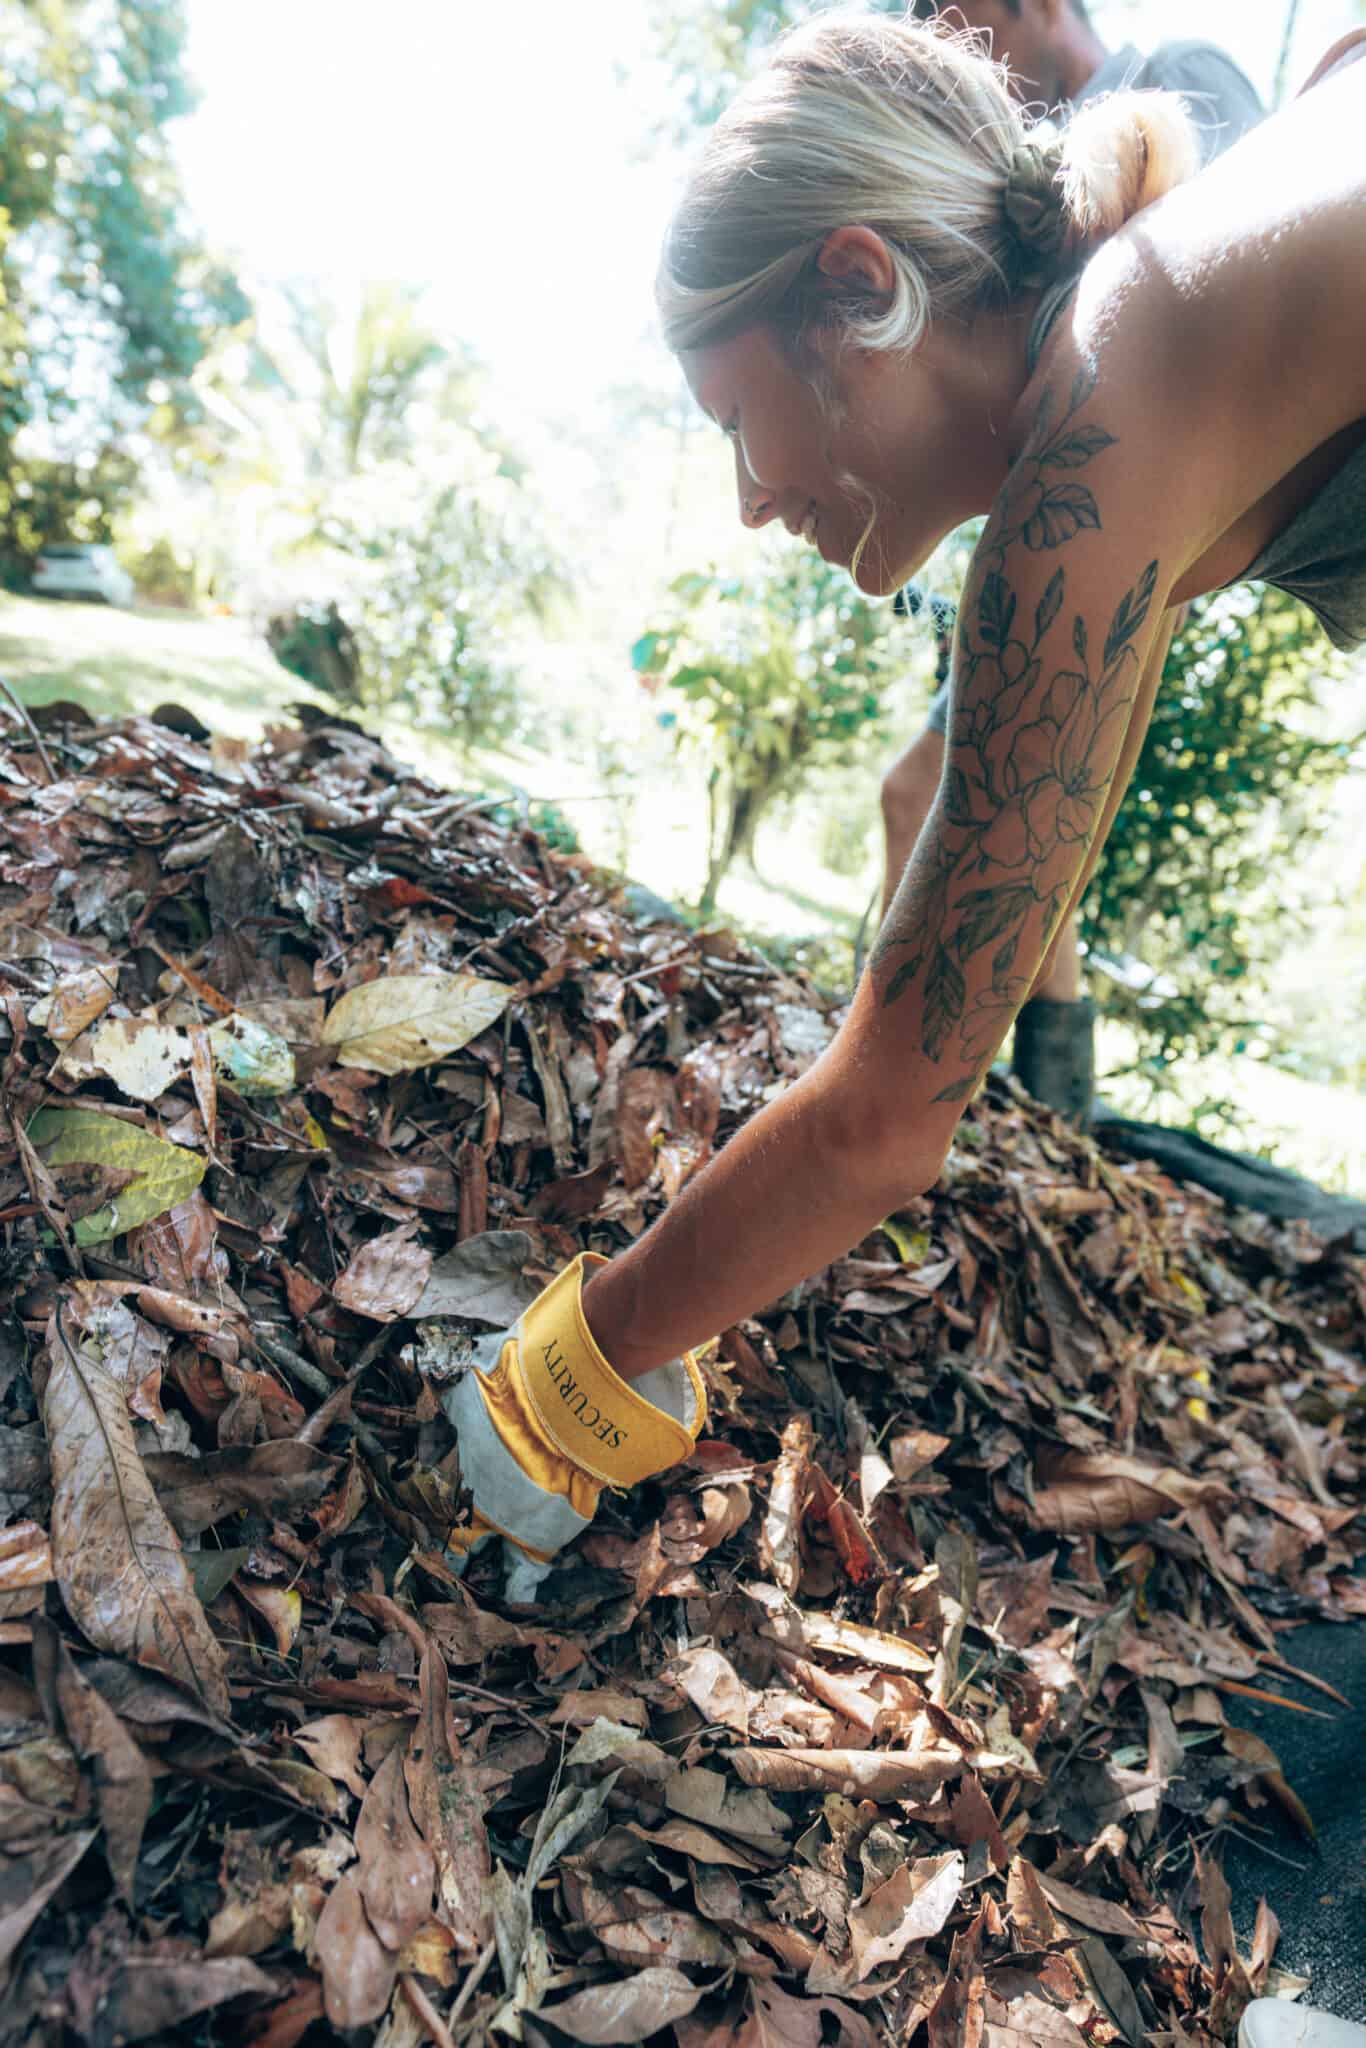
[{"x": 900, "y": 440}]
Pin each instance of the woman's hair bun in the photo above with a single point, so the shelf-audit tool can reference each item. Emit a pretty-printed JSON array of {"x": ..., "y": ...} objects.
[{"x": 1121, "y": 153}]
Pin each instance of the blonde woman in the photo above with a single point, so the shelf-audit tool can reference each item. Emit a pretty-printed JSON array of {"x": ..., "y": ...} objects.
[{"x": 902, "y": 311}]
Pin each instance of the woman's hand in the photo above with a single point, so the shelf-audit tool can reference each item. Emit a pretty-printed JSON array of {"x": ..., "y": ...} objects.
[{"x": 544, "y": 1423}]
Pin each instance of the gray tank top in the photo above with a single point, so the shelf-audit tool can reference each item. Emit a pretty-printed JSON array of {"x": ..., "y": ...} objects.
[{"x": 1321, "y": 556}]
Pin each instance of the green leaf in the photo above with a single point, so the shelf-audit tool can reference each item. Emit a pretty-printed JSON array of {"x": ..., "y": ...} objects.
[
  {"x": 647, "y": 657},
  {"x": 164, "y": 1174},
  {"x": 212, "y": 1570}
]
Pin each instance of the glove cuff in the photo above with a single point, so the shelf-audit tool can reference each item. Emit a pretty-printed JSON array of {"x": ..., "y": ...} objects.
[{"x": 596, "y": 1418}]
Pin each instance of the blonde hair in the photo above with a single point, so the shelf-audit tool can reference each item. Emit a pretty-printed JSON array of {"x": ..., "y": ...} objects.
[{"x": 907, "y": 128}]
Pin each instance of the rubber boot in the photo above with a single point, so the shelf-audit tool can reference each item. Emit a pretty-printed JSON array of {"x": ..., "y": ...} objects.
[
  {"x": 1274, "y": 2023},
  {"x": 1055, "y": 1055}
]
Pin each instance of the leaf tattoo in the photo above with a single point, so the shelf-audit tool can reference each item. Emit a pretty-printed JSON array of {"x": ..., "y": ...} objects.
[
  {"x": 945, "y": 994},
  {"x": 1132, "y": 611},
  {"x": 1034, "y": 736},
  {"x": 1049, "y": 605}
]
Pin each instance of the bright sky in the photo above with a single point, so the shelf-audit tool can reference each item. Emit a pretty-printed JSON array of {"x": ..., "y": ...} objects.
[{"x": 492, "y": 153}]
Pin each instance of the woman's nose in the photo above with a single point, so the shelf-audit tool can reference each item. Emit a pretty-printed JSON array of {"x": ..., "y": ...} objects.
[{"x": 757, "y": 505}]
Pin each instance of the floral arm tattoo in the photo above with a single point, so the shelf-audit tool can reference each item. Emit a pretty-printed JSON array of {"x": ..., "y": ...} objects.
[{"x": 1039, "y": 715}]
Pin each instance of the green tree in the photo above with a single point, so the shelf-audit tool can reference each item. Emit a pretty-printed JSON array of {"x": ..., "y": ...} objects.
[
  {"x": 1199, "y": 875},
  {"x": 709, "y": 46},
  {"x": 766, "y": 678},
  {"x": 108, "y": 300},
  {"x": 444, "y": 603}
]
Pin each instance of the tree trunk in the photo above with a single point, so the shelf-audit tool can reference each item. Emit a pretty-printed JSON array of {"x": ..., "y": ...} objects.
[{"x": 742, "y": 818}]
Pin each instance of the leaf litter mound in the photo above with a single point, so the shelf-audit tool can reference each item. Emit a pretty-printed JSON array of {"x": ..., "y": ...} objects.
[{"x": 900, "y": 1713}]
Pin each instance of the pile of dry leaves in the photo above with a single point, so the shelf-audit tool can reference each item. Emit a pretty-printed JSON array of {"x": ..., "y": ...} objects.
[{"x": 897, "y": 1714}]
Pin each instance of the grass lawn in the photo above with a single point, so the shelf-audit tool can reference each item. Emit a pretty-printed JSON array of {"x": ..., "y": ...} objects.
[{"x": 118, "y": 663}]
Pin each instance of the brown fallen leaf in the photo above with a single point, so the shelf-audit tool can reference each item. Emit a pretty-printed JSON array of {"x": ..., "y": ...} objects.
[
  {"x": 858, "y": 1773},
  {"x": 780, "y": 1541},
  {"x": 585, "y": 1705},
  {"x": 278, "y": 1606},
  {"x": 146, "y": 1701},
  {"x": 1232, "y": 1988},
  {"x": 1084, "y": 1491},
  {"x": 629, "y": 2009},
  {"x": 27, "y": 1882},
  {"x": 76, "y": 1001},
  {"x": 777, "y": 2020},
  {"x": 1250, "y": 1749},
  {"x": 333, "y": 1741},
  {"x": 270, "y": 1479},
  {"x": 1031, "y": 1912},
  {"x": 358, "y": 1971},
  {"x": 912, "y": 1905},
  {"x": 867, "y": 1645},
  {"x": 958, "y": 2017},
  {"x": 386, "y": 1278},
  {"x": 686, "y": 1838},
  {"x": 636, "y": 1927},
  {"x": 25, "y": 1568},
  {"x": 483, "y": 1278},
  {"x": 396, "y": 1869},
  {"x": 1105, "y": 1916},
  {"x": 117, "y": 1559},
  {"x": 714, "y": 1686},
  {"x": 725, "y": 1509},
  {"x": 841, "y": 1695},
  {"x": 1029, "y": 2022},
  {"x": 710, "y": 1798},
  {"x": 122, "y": 1780},
  {"x": 285, "y": 2024},
  {"x": 972, "y": 1818},
  {"x": 154, "y": 1990},
  {"x": 449, "y": 1812}
]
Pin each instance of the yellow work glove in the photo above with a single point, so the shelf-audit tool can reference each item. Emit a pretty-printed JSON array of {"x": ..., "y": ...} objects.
[{"x": 544, "y": 1424}]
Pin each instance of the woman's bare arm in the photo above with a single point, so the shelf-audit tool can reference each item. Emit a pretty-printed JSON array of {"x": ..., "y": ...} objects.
[{"x": 1062, "y": 610}]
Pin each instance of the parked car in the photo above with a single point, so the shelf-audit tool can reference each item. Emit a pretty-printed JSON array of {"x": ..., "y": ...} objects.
[{"x": 78, "y": 569}]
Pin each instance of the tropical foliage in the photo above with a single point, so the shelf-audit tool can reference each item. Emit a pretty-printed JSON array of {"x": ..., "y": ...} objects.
[
  {"x": 107, "y": 301},
  {"x": 766, "y": 678}
]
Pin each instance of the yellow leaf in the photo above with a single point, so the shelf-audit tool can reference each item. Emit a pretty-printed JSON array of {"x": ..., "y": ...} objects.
[
  {"x": 166, "y": 1174},
  {"x": 404, "y": 1021},
  {"x": 912, "y": 1246},
  {"x": 281, "y": 1609}
]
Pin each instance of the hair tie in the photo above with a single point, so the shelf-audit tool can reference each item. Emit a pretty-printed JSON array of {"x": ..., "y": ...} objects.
[{"x": 1035, "y": 215}]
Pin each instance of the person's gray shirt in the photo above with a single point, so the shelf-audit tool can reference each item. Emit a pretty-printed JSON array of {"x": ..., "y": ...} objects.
[{"x": 1223, "y": 102}]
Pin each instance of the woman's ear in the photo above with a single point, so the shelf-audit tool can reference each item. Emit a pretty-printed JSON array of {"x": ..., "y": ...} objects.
[{"x": 857, "y": 255}]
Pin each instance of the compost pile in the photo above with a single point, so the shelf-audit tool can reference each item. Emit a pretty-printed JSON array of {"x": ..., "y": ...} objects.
[{"x": 897, "y": 1714}]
